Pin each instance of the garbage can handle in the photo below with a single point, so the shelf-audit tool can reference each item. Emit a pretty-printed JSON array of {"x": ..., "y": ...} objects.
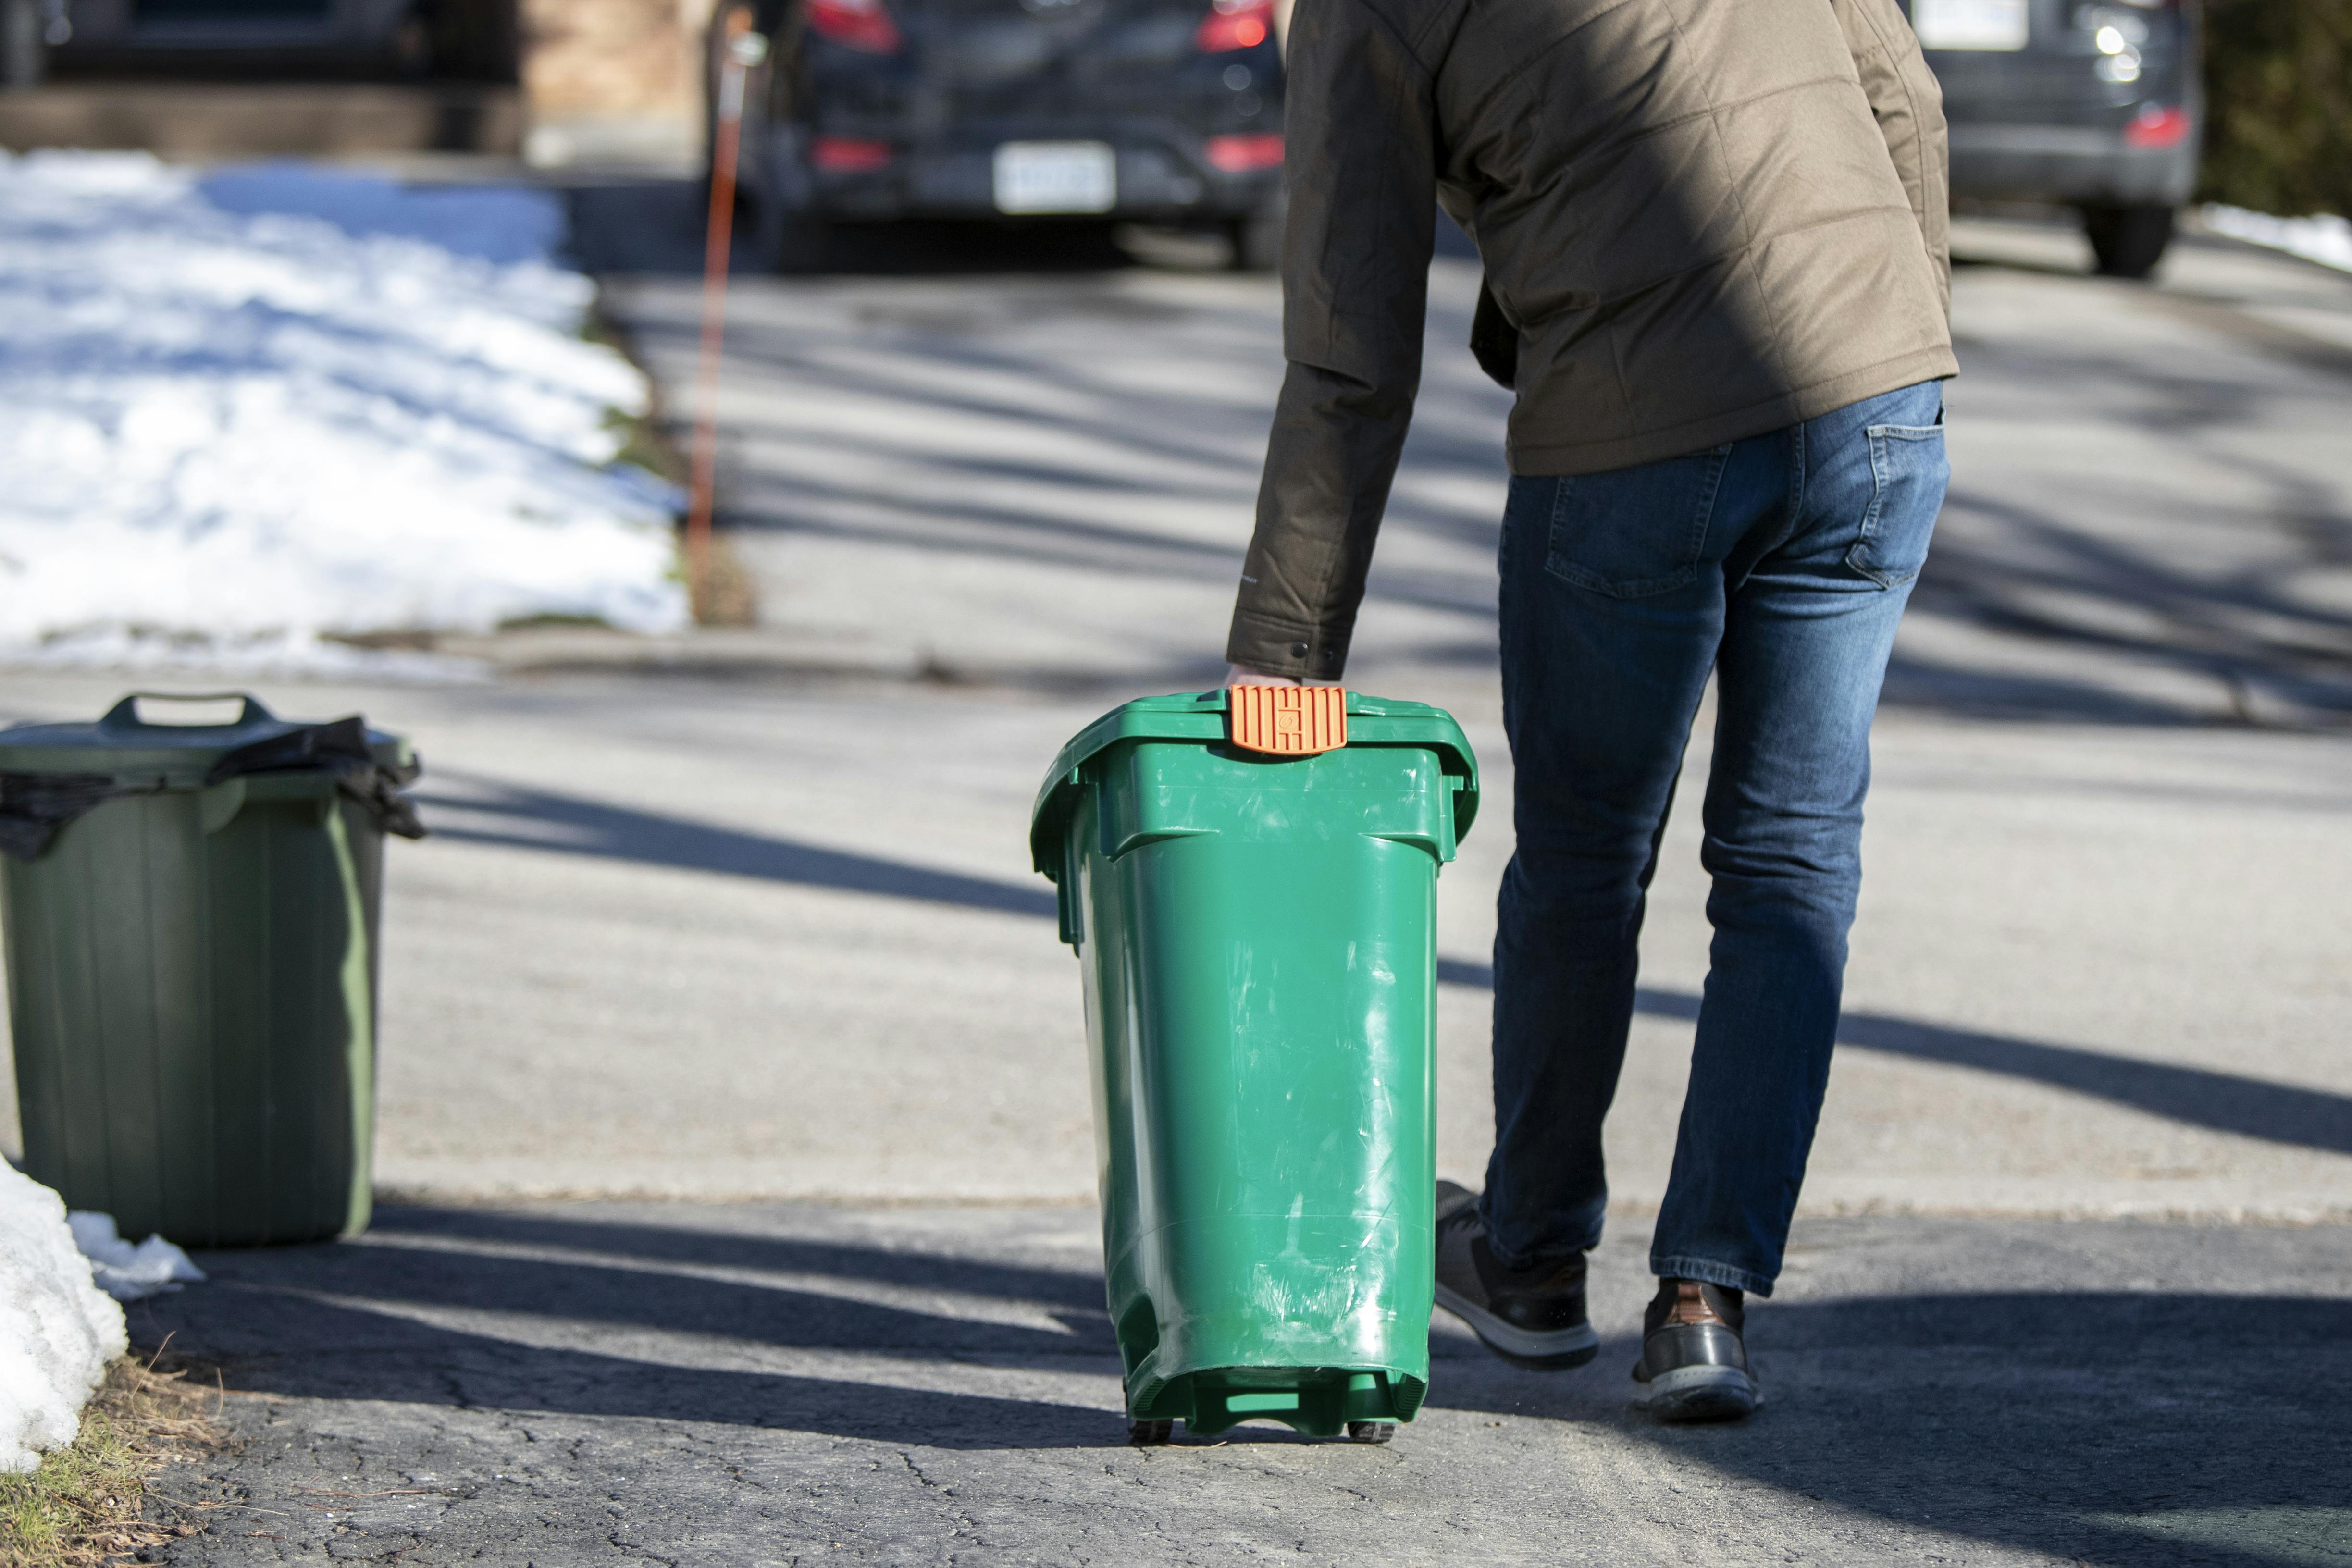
[{"x": 124, "y": 715}]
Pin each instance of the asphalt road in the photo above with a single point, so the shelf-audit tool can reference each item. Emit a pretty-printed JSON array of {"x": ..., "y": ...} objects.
[
  {"x": 751, "y": 1385},
  {"x": 725, "y": 970}
]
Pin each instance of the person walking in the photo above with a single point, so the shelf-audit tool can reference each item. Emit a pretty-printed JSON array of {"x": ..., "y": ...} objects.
[{"x": 1717, "y": 279}]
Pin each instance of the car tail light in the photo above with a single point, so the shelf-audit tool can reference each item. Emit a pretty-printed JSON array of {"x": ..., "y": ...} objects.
[
  {"x": 861, "y": 24},
  {"x": 1235, "y": 25},
  {"x": 2156, "y": 127},
  {"x": 1240, "y": 154},
  {"x": 849, "y": 154}
]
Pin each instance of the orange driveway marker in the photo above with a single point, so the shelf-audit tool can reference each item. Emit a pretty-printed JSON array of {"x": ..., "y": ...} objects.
[{"x": 744, "y": 49}]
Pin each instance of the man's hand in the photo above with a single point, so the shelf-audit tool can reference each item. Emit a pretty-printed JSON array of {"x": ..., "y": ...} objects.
[{"x": 1239, "y": 676}]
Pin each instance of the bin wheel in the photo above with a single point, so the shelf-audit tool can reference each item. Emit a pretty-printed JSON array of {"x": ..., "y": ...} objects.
[
  {"x": 1371, "y": 1431},
  {"x": 1149, "y": 1434}
]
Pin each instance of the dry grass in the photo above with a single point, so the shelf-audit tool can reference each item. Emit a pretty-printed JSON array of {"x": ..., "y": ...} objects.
[
  {"x": 88, "y": 1504},
  {"x": 727, "y": 596}
]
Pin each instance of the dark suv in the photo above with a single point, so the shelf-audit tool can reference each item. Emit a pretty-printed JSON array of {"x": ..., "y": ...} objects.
[
  {"x": 1025, "y": 110},
  {"x": 2091, "y": 102}
]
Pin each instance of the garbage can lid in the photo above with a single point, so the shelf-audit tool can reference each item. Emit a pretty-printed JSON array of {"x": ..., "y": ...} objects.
[
  {"x": 1201, "y": 717},
  {"x": 122, "y": 743}
]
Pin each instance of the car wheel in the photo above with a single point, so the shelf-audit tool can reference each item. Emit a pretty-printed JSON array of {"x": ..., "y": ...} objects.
[
  {"x": 759, "y": 226},
  {"x": 2129, "y": 240},
  {"x": 806, "y": 241},
  {"x": 1257, "y": 238}
]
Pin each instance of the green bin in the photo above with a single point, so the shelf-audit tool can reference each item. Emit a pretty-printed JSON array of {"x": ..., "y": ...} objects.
[
  {"x": 190, "y": 915},
  {"x": 1256, "y": 936}
]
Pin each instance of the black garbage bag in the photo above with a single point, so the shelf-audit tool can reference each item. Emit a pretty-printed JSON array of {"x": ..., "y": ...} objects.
[{"x": 35, "y": 807}]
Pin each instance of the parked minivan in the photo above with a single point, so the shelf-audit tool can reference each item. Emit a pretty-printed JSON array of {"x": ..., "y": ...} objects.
[{"x": 2092, "y": 103}]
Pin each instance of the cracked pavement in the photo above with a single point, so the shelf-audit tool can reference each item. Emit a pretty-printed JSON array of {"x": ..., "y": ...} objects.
[{"x": 757, "y": 1384}]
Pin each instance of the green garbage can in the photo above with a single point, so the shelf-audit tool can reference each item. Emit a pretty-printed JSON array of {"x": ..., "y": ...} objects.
[
  {"x": 1250, "y": 882},
  {"x": 190, "y": 916}
]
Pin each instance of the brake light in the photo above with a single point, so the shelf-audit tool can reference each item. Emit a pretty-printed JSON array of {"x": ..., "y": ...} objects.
[
  {"x": 1240, "y": 154},
  {"x": 1234, "y": 24},
  {"x": 2156, "y": 127},
  {"x": 861, "y": 24},
  {"x": 849, "y": 154}
]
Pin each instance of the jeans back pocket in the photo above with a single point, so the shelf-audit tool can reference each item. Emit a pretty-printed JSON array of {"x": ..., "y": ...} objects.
[
  {"x": 1909, "y": 472},
  {"x": 1632, "y": 532}
]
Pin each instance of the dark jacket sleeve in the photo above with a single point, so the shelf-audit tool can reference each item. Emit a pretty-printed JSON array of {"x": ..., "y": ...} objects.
[
  {"x": 1909, "y": 105},
  {"x": 1360, "y": 169}
]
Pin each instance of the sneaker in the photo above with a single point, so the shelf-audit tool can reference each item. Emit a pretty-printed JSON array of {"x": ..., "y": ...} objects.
[
  {"x": 1694, "y": 1365},
  {"x": 1530, "y": 1317}
]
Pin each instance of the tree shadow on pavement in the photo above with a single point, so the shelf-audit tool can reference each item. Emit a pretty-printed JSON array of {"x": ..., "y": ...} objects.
[
  {"x": 2032, "y": 572},
  {"x": 518, "y": 817},
  {"x": 521, "y": 818},
  {"x": 2196, "y": 1096},
  {"x": 2119, "y": 1426},
  {"x": 1075, "y": 1293},
  {"x": 459, "y": 1307},
  {"x": 2111, "y": 1427},
  {"x": 2128, "y": 602},
  {"x": 352, "y": 1352}
]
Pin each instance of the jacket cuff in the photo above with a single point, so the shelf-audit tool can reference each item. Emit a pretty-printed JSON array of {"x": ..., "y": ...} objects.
[{"x": 1279, "y": 648}]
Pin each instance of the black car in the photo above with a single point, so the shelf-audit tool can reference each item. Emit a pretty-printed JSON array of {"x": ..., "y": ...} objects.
[
  {"x": 1024, "y": 111},
  {"x": 2094, "y": 103},
  {"x": 297, "y": 40}
]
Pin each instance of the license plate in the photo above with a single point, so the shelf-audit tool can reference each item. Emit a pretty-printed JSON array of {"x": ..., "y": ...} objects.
[
  {"x": 1056, "y": 177},
  {"x": 1971, "y": 24}
]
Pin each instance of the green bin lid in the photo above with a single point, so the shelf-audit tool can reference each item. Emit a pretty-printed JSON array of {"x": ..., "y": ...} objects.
[
  {"x": 1201, "y": 715},
  {"x": 124, "y": 745}
]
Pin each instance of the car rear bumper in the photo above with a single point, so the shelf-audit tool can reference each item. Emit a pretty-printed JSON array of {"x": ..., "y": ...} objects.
[
  {"x": 2068, "y": 163},
  {"x": 1156, "y": 178}
]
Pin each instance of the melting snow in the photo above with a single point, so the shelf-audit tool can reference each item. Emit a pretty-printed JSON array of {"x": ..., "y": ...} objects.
[
  {"x": 57, "y": 1331},
  {"x": 128, "y": 1273},
  {"x": 2323, "y": 238},
  {"x": 242, "y": 409}
]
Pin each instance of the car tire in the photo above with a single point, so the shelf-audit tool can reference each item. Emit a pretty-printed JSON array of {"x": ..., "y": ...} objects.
[
  {"x": 1257, "y": 238},
  {"x": 805, "y": 241},
  {"x": 2128, "y": 240},
  {"x": 754, "y": 225}
]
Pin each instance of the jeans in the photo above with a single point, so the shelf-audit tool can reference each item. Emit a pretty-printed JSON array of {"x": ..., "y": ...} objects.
[{"x": 1783, "y": 563}]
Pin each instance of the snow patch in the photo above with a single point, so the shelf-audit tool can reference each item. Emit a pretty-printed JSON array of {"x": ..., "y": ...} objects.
[
  {"x": 128, "y": 1273},
  {"x": 268, "y": 405},
  {"x": 57, "y": 1329},
  {"x": 2325, "y": 239}
]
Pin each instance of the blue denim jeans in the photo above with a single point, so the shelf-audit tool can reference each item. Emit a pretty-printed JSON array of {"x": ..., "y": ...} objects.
[{"x": 1783, "y": 563}]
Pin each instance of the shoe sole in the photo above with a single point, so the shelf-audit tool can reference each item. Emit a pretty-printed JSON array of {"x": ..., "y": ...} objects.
[
  {"x": 1530, "y": 1348},
  {"x": 1700, "y": 1393}
]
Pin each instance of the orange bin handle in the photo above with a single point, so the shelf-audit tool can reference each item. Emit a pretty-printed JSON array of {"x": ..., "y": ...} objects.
[{"x": 1288, "y": 721}]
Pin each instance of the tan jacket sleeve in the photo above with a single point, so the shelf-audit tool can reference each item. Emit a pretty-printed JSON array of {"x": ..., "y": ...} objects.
[
  {"x": 1909, "y": 104},
  {"x": 1361, "y": 170}
]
